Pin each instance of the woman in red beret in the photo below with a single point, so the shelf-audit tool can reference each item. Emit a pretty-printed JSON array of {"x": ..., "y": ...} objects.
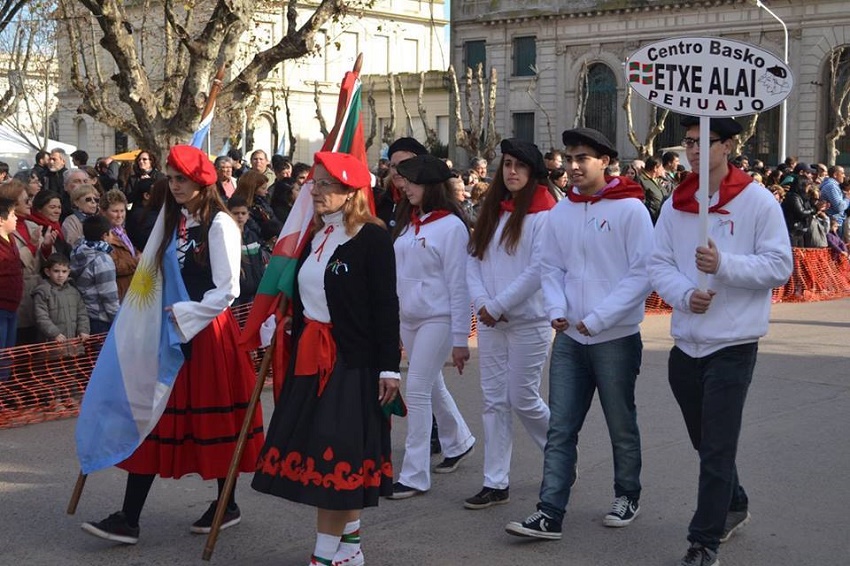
[
  {"x": 197, "y": 432},
  {"x": 328, "y": 442},
  {"x": 513, "y": 331},
  {"x": 430, "y": 246}
]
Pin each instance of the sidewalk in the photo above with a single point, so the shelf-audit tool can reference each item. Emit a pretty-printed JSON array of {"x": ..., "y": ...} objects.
[{"x": 794, "y": 459}]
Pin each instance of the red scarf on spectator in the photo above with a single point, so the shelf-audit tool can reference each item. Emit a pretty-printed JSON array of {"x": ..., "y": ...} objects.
[
  {"x": 684, "y": 197},
  {"x": 43, "y": 221},
  {"x": 417, "y": 222},
  {"x": 24, "y": 232},
  {"x": 615, "y": 188},
  {"x": 540, "y": 201}
]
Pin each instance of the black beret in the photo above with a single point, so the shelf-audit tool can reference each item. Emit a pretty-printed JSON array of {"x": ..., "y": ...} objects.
[
  {"x": 424, "y": 170},
  {"x": 589, "y": 137},
  {"x": 528, "y": 153},
  {"x": 803, "y": 166},
  {"x": 723, "y": 127},
  {"x": 406, "y": 144}
]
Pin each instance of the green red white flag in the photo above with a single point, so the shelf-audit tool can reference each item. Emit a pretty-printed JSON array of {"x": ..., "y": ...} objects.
[{"x": 279, "y": 278}]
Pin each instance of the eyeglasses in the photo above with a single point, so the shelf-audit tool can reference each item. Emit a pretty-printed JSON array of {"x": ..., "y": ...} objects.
[
  {"x": 325, "y": 183},
  {"x": 691, "y": 142},
  {"x": 91, "y": 199}
]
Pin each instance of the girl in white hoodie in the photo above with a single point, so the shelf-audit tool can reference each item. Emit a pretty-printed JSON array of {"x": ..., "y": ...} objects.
[
  {"x": 430, "y": 246},
  {"x": 514, "y": 335}
]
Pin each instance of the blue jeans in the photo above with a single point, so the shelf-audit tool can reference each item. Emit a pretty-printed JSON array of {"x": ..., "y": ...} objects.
[
  {"x": 8, "y": 328},
  {"x": 576, "y": 371},
  {"x": 711, "y": 392},
  {"x": 8, "y": 337}
]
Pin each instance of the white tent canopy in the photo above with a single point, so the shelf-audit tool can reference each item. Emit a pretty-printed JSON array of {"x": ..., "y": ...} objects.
[{"x": 18, "y": 153}]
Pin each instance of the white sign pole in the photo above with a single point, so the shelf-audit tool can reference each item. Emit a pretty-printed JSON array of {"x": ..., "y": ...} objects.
[{"x": 702, "y": 194}]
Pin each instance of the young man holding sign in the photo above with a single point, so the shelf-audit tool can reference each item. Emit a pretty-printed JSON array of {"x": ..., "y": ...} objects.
[{"x": 716, "y": 330}]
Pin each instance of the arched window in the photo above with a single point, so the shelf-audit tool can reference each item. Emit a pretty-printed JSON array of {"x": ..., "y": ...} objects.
[
  {"x": 601, "y": 110},
  {"x": 263, "y": 135},
  {"x": 838, "y": 94},
  {"x": 82, "y": 135}
]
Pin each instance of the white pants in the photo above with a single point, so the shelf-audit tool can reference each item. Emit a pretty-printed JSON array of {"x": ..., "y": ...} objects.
[
  {"x": 428, "y": 347},
  {"x": 511, "y": 359}
]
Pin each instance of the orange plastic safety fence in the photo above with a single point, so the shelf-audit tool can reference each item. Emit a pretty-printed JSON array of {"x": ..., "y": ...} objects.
[
  {"x": 819, "y": 275},
  {"x": 46, "y": 381}
]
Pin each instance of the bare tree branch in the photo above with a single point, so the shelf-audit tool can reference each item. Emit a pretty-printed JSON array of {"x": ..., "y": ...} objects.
[
  {"x": 404, "y": 106},
  {"x": 373, "y": 113},
  {"x": 431, "y": 137},
  {"x": 529, "y": 91},
  {"x": 323, "y": 126}
]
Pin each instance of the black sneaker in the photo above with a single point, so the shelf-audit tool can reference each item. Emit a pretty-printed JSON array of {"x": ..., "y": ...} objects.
[
  {"x": 537, "y": 525},
  {"x": 487, "y": 497},
  {"x": 113, "y": 528},
  {"x": 698, "y": 555},
  {"x": 623, "y": 512},
  {"x": 448, "y": 465},
  {"x": 401, "y": 491},
  {"x": 734, "y": 521},
  {"x": 232, "y": 516}
]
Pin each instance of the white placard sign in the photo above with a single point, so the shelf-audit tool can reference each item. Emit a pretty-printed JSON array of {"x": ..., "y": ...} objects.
[{"x": 709, "y": 76}]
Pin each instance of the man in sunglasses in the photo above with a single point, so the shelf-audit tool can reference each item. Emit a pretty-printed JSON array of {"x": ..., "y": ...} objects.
[{"x": 716, "y": 329}]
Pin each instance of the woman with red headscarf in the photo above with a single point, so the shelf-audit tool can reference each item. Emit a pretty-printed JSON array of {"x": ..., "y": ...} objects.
[{"x": 205, "y": 411}]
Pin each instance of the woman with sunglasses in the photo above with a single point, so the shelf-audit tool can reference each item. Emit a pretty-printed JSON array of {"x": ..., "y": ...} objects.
[
  {"x": 144, "y": 167},
  {"x": 84, "y": 202}
]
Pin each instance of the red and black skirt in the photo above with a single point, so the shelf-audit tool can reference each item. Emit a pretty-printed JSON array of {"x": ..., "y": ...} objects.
[
  {"x": 197, "y": 433},
  {"x": 331, "y": 451}
]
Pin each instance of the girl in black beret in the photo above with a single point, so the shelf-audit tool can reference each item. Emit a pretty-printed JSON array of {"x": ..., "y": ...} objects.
[
  {"x": 430, "y": 247},
  {"x": 513, "y": 335}
]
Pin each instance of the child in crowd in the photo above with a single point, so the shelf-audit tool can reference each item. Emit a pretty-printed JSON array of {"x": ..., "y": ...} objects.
[
  {"x": 60, "y": 313},
  {"x": 251, "y": 270},
  {"x": 94, "y": 272},
  {"x": 834, "y": 241},
  {"x": 11, "y": 277}
]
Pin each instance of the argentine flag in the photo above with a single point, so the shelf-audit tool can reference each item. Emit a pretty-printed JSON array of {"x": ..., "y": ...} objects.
[
  {"x": 200, "y": 136},
  {"x": 137, "y": 366}
]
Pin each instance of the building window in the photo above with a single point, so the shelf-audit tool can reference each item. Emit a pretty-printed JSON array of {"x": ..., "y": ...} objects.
[
  {"x": 601, "y": 108},
  {"x": 474, "y": 54},
  {"x": 842, "y": 144},
  {"x": 525, "y": 56},
  {"x": 523, "y": 123},
  {"x": 120, "y": 142},
  {"x": 409, "y": 56}
]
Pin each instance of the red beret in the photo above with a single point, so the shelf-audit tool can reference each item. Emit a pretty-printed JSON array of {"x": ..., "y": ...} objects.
[
  {"x": 193, "y": 163},
  {"x": 345, "y": 168}
]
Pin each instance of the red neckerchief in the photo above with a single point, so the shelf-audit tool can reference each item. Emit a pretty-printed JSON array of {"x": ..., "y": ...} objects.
[
  {"x": 615, "y": 188},
  {"x": 24, "y": 233},
  {"x": 684, "y": 196},
  {"x": 418, "y": 222},
  {"x": 540, "y": 201},
  {"x": 42, "y": 221},
  {"x": 395, "y": 193}
]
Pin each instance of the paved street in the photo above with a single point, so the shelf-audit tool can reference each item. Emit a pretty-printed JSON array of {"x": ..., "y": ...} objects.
[{"x": 794, "y": 461}]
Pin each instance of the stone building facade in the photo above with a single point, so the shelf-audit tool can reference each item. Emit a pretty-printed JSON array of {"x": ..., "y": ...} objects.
[
  {"x": 399, "y": 36},
  {"x": 540, "y": 47}
]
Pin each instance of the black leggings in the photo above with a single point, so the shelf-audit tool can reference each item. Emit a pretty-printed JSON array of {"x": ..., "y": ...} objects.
[{"x": 138, "y": 487}]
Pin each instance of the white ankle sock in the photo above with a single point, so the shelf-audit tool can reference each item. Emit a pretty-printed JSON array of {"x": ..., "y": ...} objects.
[
  {"x": 326, "y": 546},
  {"x": 349, "y": 546}
]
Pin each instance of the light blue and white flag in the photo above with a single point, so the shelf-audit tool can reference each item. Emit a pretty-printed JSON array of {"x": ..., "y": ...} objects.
[
  {"x": 199, "y": 139},
  {"x": 137, "y": 366}
]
